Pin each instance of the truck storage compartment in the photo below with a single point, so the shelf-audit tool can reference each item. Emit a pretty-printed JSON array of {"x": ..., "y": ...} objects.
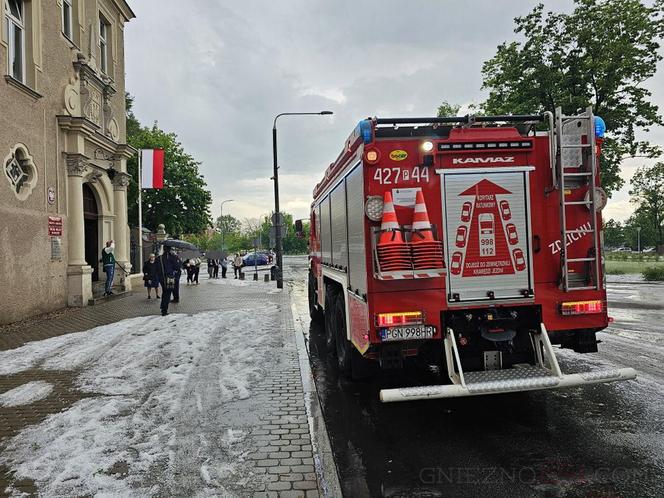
[{"x": 486, "y": 217}]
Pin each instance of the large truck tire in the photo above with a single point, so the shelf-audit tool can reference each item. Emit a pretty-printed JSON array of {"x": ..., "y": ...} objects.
[
  {"x": 352, "y": 364},
  {"x": 315, "y": 313},
  {"x": 330, "y": 327}
]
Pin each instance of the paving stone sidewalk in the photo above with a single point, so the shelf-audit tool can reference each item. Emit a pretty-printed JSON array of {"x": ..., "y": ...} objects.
[{"x": 277, "y": 457}]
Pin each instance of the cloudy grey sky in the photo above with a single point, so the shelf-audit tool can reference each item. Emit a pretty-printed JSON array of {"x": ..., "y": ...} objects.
[{"x": 217, "y": 72}]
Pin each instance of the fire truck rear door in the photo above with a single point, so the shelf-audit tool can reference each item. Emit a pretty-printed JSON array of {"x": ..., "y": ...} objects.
[{"x": 487, "y": 234}]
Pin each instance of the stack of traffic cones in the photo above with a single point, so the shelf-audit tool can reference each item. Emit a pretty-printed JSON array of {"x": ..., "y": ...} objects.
[
  {"x": 393, "y": 251},
  {"x": 427, "y": 252}
]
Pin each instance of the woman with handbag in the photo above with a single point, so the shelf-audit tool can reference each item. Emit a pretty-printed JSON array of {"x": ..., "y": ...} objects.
[{"x": 151, "y": 276}]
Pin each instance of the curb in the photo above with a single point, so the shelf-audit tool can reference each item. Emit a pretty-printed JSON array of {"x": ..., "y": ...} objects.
[{"x": 326, "y": 469}]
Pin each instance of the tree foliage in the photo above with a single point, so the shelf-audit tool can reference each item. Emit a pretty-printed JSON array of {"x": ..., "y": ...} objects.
[
  {"x": 648, "y": 194},
  {"x": 601, "y": 54},
  {"x": 183, "y": 205},
  {"x": 445, "y": 109}
]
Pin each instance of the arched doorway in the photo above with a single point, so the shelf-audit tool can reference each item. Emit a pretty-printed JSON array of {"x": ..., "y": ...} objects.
[{"x": 91, "y": 220}]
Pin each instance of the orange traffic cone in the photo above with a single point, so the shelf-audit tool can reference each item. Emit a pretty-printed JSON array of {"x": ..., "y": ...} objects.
[
  {"x": 427, "y": 252},
  {"x": 393, "y": 251},
  {"x": 391, "y": 231},
  {"x": 421, "y": 225}
]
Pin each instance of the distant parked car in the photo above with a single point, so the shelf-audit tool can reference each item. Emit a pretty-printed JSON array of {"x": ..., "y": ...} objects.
[
  {"x": 649, "y": 250},
  {"x": 622, "y": 249},
  {"x": 253, "y": 259}
]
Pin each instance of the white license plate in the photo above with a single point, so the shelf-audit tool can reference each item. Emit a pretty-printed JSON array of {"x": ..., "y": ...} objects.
[{"x": 408, "y": 333}]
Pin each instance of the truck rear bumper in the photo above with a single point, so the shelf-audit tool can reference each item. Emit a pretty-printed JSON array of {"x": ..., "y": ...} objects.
[
  {"x": 544, "y": 374},
  {"x": 530, "y": 378}
]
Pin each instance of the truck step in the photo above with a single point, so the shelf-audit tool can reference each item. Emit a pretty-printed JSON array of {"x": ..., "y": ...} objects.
[{"x": 518, "y": 378}]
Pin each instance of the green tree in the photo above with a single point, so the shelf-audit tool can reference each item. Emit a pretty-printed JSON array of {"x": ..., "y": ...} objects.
[
  {"x": 183, "y": 205},
  {"x": 601, "y": 54},
  {"x": 445, "y": 109},
  {"x": 648, "y": 194},
  {"x": 228, "y": 224},
  {"x": 614, "y": 235}
]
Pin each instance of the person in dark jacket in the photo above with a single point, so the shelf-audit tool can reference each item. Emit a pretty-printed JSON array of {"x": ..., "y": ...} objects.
[
  {"x": 176, "y": 290},
  {"x": 190, "y": 271},
  {"x": 108, "y": 264},
  {"x": 169, "y": 269},
  {"x": 151, "y": 276}
]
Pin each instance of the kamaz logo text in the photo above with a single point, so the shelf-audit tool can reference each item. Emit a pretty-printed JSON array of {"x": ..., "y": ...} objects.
[{"x": 482, "y": 160}]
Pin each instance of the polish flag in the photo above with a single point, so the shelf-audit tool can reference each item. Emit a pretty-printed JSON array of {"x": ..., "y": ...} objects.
[{"x": 152, "y": 168}]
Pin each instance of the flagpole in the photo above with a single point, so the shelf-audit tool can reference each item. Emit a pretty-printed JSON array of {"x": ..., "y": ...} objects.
[{"x": 140, "y": 210}]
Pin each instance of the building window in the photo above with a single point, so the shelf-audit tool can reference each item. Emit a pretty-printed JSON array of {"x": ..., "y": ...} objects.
[
  {"x": 14, "y": 15},
  {"x": 67, "y": 16},
  {"x": 103, "y": 44},
  {"x": 20, "y": 171}
]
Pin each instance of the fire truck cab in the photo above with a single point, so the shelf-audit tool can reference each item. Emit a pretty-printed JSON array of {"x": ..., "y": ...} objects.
[{"x": 470, "y": 242}]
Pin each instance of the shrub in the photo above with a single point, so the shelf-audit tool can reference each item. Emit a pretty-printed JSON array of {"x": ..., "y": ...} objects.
[{"x": 653, "y": 273}]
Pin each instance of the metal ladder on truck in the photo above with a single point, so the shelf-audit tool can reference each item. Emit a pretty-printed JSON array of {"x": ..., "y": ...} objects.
[{"x": 576, "y": 167}]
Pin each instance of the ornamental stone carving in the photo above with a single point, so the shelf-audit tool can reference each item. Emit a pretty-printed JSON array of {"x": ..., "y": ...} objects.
[
  {"x": 113, "y": 129},
  {"x": 94, "y": 176},
  {"x": 72, "y": 97},
  {"x": 77, "y": 164},
  {"x": 121, "y": 180},
  {"x": 20, "y": 171},
  {"x": 93, "y": 102}
]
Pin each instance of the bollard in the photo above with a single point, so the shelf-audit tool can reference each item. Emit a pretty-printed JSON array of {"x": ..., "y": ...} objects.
[
  {"x": 266, "y": 278},
  {"x": 241, "y": 276},
  {"x": 255, "y": 277},
  {"x": 273, "y": 272}
]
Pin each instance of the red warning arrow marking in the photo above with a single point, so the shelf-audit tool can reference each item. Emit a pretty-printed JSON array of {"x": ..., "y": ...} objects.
[{"x": 487, "y": 252}]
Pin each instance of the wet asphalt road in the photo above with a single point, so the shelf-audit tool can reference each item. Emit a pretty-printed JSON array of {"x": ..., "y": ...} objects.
[{"x": 600, "y": 441}]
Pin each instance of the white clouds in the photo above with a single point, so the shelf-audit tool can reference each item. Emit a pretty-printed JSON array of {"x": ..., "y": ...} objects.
[{"x": 217, "y": 73}]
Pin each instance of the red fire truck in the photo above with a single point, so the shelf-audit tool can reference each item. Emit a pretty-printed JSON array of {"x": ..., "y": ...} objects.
[{"x": 471, "y": 242}]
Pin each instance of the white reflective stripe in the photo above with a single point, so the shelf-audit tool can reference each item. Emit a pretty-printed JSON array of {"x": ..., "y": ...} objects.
[
  {"x": 420, "y": 208},
  {"x": 421, "y": 225},
  {"x": 147, "y": 168}
]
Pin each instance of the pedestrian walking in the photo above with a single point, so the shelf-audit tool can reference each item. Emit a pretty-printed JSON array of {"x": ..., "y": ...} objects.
[
  {"x": 215, "y": 262},
  {"x": 108, "y": 264},
  {"x": 190, "y": 271},
  {"x": 224, "y": 266},
  {"x": 237, "y": 264},
  {"x": 178, "y": 274},
  {"x": 210, "y": 267},
  {"x": 197, "y": 269},
  {"x": 151, "y": 276},
  {"x": 168, "y": 267}
]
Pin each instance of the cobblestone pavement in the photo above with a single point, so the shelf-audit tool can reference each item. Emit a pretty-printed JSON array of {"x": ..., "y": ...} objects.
[{"x": 276, "y": 458}]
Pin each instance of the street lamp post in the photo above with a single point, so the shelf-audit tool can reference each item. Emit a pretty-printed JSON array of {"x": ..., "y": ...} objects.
[
  {"x": 638, "y": 234},
  {"x": 221, "y": 222},
  {"x": 275, "y": 176}
]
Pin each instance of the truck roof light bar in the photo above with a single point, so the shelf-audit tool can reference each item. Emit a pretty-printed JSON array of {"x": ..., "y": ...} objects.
[
  {"x": 468, "y": 119},
  {"x": 447, "y": 146}
]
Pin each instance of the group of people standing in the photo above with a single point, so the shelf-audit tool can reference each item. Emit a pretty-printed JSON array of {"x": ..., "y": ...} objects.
[{"x": 213, "y": 267}]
